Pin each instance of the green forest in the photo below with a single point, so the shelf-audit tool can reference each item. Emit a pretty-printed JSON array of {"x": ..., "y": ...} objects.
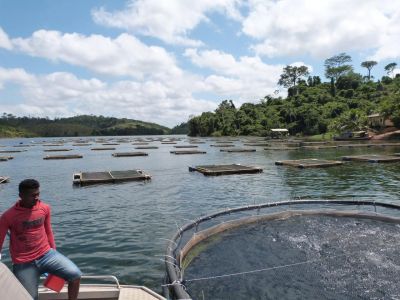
[
  {"x": 84, "y": 125},
  {"x": 312, "y": 107}
]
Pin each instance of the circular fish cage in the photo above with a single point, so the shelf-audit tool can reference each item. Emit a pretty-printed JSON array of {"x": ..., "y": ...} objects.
[{"x": 299, "y": 249}]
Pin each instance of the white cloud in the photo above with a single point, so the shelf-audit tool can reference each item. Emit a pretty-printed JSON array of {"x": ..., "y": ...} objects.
[
  {"x": 246, "y": 79},
  {"x": 64, "y": 94},
  {"x": 123, "y": 56},
  {"x": 4, "y": 40},
  {"x": 170, "y": 21},
  {"x": 323, "y": 28}
]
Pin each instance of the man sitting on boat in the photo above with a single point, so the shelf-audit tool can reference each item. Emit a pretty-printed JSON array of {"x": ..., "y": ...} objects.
[{"x": 32, "y": 247}]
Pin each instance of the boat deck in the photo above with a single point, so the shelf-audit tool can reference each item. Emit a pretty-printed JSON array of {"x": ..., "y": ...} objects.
[
  {"x": 103, "y": 292},
  {"x": 215, "y": 170},
  {"x": 309, "y": 163}
]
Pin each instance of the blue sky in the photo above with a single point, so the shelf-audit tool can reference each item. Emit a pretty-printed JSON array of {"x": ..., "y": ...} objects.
[{"x": 163, "y": 61}]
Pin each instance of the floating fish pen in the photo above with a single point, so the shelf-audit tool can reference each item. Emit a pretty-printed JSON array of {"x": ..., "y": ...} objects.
[
  {"x": 86, "y": 178},
  {"x": 222, "y": 145},
  {"x": 237, "y": 150},
  {"x": 185, "y": 146},
  {"x": 168, "y": 143},
  {"x": 129, "y": 154},
  {"x": 110, "y": 144},
  {"x": 70, "y": 156},
  {"x": 281, "y": 148},
  {"x": 81, "y": 144},
  {"x": 56, "y": 150},
  {"x": 216, "y": 170},
  {"x": 300, "y": 249},
  {"x": 372, "y": 158},
  {"x": 146, "y": 147},
  {"x": 319, "y": 147},
  {"x": 313, "y": 143},
  {"x": 6, "y": 158},
  {"x": 309, "y": 163},
  {"x": 223, "y": 142},
  {"x": 140, "y": 143},
  {"x": 12, "y": 151},
  {"x": 257, "y": 144},
  {"x": 22, "y": 146},
  {"x": 196, "y": 143},
  {"x": 4, "y": 179},
  {"x": 182, "y": 152},
  {"x": 53, "y": 145},
  {"x": 103, "y": 148}
]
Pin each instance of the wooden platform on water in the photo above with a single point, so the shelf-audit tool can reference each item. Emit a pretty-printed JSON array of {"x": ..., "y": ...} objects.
[
  {"x": 222, "y": 145},
  {"x": 110, "y": 144},
  {"x": 6, "y": 158},
  {"x": 12, "y": 151},
  {"x": 84, "y": 178},
  {"x": 182, "y": 152},
  {"x": 168, "y": 143},
  {"x": 4, "y": 179},
  {"x": 373, "y": 158},
  {"x": 319, "y": 147},
  {"x": 185, "y": 146},
  {"x": 103, "y": 148},
  {"x": 281, "y": 148},
  {"x": 309, "y": 163},
  {"x": 235, "y": 150},
  {"x": 57, "y": 150},
  {"x": 81, "y": 144},
  {"x": 70, "y": 156},
  {"x": 140, "y": 143},
  {"x": 215, "y": 170},
  {"x": 129, "y": 154},
  {"x": 257, "y": 144},
  {"x": 146, "y": 147}
]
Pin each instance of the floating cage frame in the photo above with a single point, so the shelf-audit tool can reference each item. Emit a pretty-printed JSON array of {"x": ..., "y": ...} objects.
[
  {"x": 372, "y": 158},
  {"x": 86, "y": 178},
  {"x": 129, "y": 154},
  {"x": 183, "y": 152},
  {"x": 216, "y": 170},
  {"x": 175, "y": 252},
  {"x": 69, "y": 156},
  {"x": 309, "y": 163}
]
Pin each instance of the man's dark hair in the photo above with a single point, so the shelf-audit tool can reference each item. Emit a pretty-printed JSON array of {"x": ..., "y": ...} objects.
[{"x": 28, "y": 184}]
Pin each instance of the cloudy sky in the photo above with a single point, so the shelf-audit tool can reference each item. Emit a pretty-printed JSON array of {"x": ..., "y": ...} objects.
[{"x": 163, "y": 61}]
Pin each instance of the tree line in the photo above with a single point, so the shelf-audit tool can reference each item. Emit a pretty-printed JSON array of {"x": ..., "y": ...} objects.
[
  {"x": 311, "y": 106},
  {"x": 83, "y": 125}
]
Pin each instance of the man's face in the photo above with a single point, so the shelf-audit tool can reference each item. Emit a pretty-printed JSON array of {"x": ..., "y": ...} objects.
[{"x": 30, "y": 197}]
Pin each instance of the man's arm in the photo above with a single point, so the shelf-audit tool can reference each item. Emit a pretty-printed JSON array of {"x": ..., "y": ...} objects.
[
  {"x": 49, "y": 231},
  {"x": 3, "y": 230}
]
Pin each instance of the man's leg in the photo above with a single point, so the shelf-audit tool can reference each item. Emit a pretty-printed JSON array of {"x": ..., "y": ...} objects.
[
  {"x": 55, "y": 263},
  {"x": 73, "y": 289},
  {"x": 28, "y": 274}
]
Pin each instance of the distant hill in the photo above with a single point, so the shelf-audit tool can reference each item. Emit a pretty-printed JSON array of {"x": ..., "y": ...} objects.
[
  {"x": 182, "y": 128},
  {"x": 84, "y": 125}
]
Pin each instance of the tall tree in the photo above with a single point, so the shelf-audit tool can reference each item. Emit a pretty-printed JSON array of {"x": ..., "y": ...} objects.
[
  {"x": 291, "y": 74},
  {"x": 337, "y": 66},
  {"x": 390, "y": 68},
  {"x": 369, "y": 64}
]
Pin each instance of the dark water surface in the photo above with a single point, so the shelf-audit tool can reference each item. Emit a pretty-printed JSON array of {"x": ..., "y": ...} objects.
[
  {"x": 120, "y": 229},
  {"x": 310, "y": 257}
]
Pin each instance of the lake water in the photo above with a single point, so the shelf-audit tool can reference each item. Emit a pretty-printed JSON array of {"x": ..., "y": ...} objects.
[{"x": 120, "y": 228}]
